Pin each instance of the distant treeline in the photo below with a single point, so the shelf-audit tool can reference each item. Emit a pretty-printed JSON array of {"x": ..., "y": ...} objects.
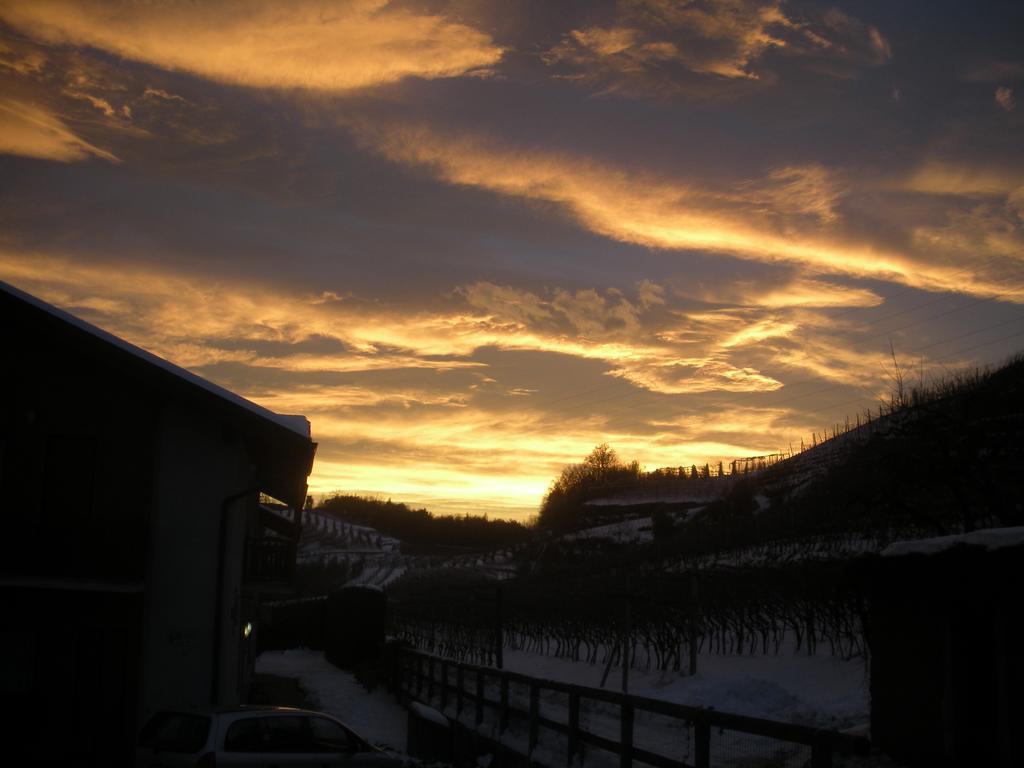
[{"x": 419, "y": 528}]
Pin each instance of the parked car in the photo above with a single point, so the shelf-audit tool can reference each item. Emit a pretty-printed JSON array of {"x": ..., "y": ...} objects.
[{"x": 255, "y": 737}]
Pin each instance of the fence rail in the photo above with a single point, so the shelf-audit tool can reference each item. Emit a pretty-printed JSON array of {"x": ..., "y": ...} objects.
[
  {"x": 428, "y": 678},
  {"x": 269, "y": 560}
]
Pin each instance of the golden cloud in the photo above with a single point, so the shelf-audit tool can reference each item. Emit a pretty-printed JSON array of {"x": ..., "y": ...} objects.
[
  {"x": 316, "y": 44},
  {"x": 944, "y": 178},
  {"x": 651, "y": 45},
  {"x": 438, "y": 436},
  {"x": 31, "y": 130},
  {"x": 812, "y": 191},
  {"x": 21, "y": 59},
  {"x": 796, "y": 293},
  {"x": 649, "y": 210},
  {"x": 188, "y": 319},
  {"x": 759, "y": 331}
]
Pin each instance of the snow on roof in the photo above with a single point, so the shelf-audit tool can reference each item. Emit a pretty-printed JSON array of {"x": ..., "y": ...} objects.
[
  {"x": 297, "y": 424},
  {"x": 989, "y": 539}
]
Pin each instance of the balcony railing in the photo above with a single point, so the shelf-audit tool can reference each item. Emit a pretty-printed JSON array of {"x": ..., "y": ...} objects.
[{"x": 269, "y": 560}]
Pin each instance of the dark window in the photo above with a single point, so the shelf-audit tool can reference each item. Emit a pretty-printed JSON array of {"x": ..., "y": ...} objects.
[
  {"x": 175, "y": 732},
  {"x": 288, "y": 733},
  {"x": 329, "y": 736},
  {"x": 245, "y": 736}
]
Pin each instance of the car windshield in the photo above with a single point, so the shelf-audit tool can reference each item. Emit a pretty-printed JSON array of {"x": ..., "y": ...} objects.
[{"x": 175, "y": 732}]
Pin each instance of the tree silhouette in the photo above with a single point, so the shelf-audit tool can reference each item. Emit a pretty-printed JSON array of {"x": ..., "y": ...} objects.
[
  {"x": 577, "y": 483},
  {"x": 601, "y": 461}
]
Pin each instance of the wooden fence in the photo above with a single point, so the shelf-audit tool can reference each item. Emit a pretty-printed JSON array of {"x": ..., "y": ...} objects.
[{"x": 429, "y": 679}]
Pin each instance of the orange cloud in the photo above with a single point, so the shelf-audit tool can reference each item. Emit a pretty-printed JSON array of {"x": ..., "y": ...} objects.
[
  {"x": 440, "y": 417},
  {"x": 672, "y": 215},
  {"x": 759, "y": 331},
  {"x": 185, "y": 319},
  {"x": 659, "y": 45},
  {"x": 32, "y": 130},
  {"x": 944, "y": 178},
  {"x": 797, "y": 293},
  {"x": 318, "y": 45},
  {"x": 22, "y": 62}
]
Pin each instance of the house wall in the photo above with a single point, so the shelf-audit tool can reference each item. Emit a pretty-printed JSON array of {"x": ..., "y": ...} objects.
[
  {"x": 113, "y": 497},
  {"x": 76, "y": 465},
  {"x": 77, "y": 455},
  {"x": 200, "y": 465}
]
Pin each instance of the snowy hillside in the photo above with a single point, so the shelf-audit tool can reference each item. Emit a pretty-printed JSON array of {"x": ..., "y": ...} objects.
[{"x": 362, "y": 554}]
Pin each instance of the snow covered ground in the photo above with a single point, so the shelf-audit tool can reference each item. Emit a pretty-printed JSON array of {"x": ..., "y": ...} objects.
[
  {"x": 376, "y": 716},
  {"x": 815, "y": 690},
  {"x": 811, "y": 690},
  {"x": 635, "y": 530},
  {"x": 989, "y": 539}
]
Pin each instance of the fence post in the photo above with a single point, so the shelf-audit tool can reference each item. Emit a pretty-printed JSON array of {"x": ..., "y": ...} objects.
[
  {"x": 396, "y": 672},
  {"x": 430, "y": 680},
  {"x": 479, "y": 696},
  {"x": 444, "y": 685},
  {"x": 503, "y": 716},
  {"x": 574, "y": 726},
  {"x": 499, "y": 631},
  {"x": 626, "y": 735},
  {"x": 534, "y": 716},
  {"x": 702, "y": 739},
  {"x": 458, "y": 691},
  {"x": 821, "y": 755}
]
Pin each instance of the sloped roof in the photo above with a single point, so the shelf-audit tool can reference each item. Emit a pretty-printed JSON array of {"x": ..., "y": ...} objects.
[{"x": 281, "y": 444}]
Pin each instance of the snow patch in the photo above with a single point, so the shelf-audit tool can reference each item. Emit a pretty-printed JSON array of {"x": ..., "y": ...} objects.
[
  {"x": 374, "y": 715},
  {"x": 818, "y": 690},
  {"x": 988, "y": 539},
  {"x": 429, "y": 714},
  {"x": 637, "y": 530}
]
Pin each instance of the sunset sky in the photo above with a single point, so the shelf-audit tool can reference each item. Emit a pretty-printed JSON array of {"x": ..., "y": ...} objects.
[{"x": 469, "y": 240}]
